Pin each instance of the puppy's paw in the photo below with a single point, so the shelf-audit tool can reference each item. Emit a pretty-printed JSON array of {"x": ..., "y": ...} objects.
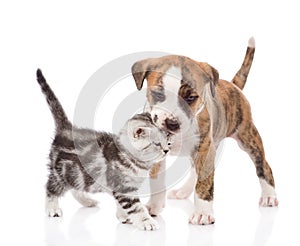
[
  {"x": 201, "y": 219},
  {"x": 147, "y": 224},
  {"x": 268, "y": 201},
  {"x": 179, "y": 194},
  {"x": 268, "y": 196},
  {"x": 54, "y": 212},
  {"x": 155, "y": 209}
]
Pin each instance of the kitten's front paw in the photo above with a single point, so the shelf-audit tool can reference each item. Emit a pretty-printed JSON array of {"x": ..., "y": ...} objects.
[
  {"x": 268, "y": 201},
  {"x": 155, "y": 209},
  {"x": 201, "y": 219},
  {"x": 123, "y": 217},
  {"x": 147, "y": 224},
  {"x": 54, "y": 212}
]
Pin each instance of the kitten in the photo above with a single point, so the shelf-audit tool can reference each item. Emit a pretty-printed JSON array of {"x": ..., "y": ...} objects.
[{"x": 84, "y": 160}]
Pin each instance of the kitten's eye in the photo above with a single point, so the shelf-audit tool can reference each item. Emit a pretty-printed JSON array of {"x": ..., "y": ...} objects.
[
  {"x": 157, "y": 144},
  {"x": 190, "y": 99},
  {"x": 169, "y": 144}
]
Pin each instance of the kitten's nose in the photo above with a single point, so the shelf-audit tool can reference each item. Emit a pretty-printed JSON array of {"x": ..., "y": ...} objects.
[
  {"x": 166, "y": 151},
  {"x": 172, "y": 124}
]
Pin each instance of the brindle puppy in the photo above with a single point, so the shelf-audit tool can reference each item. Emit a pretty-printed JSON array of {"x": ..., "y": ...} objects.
[{"x": 187, "y": 98}]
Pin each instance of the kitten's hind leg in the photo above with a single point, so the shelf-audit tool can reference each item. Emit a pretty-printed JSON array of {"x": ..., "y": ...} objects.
[
  {"x": 131, "y": 210},
  {"x": 84, "y": 199}
]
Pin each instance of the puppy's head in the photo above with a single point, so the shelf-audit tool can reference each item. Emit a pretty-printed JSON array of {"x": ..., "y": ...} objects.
[{"x": 176, "y": 85}]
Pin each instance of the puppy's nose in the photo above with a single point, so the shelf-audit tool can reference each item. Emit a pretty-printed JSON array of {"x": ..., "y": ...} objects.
[
  {"x": 166, "y": 151},
  {"x": 171, "y": 124}
]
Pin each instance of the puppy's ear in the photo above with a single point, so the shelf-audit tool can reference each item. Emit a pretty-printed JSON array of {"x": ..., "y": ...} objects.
[
  {"x": 139, "y": 72},
  {"x": 212, "y": 74}
]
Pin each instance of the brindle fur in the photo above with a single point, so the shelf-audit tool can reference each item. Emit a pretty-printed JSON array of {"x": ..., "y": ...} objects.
[{"x": 227, "y": 114}]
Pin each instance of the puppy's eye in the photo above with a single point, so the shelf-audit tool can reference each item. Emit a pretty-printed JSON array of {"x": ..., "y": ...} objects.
[
  {"x": 190, "y": 99},
  {"x": 158, "y": 96}
]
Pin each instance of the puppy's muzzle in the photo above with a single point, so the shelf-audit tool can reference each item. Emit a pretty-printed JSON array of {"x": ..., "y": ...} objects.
[{"x": 172, "y": 125}]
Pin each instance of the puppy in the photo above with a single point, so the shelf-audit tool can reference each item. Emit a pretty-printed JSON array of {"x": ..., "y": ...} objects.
[{"x": 187, "y": 98}]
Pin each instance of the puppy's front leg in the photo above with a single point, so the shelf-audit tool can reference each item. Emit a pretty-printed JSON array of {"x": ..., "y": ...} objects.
[
  {"x": 203, "y": 196},
  {"x": 157, "y": 199}
]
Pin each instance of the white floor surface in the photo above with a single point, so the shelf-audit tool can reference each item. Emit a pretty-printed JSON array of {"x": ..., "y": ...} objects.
[
  {"x": 239, "y": 220},
  {"x": 70, "y": 40}
]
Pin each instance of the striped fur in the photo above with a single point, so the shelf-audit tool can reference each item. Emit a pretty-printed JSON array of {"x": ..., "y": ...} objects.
[
  {"x": 83, "y": 160},
  {"x": 60, "y": 118},
  {"x": 240, "y": 77}
]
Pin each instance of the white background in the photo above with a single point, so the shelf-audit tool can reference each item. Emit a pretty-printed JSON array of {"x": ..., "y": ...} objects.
[{"x": 70, "y": 40}]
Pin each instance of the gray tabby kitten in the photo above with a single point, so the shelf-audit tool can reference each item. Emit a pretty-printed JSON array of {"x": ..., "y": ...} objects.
[{"x": 84, "y": 160}]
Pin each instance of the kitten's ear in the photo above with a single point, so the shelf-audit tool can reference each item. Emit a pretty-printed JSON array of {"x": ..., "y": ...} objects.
[{"x": 140, "y": 132}]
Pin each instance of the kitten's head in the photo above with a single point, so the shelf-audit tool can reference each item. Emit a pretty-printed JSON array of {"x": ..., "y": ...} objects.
[{"x": 145, "y": 141}]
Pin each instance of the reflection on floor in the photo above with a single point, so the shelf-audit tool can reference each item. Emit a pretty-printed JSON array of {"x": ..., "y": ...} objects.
[{"x": 94, "y": 226}]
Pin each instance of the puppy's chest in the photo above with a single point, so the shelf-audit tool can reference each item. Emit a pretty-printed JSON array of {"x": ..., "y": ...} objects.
[{"x": 185, "y": 144}]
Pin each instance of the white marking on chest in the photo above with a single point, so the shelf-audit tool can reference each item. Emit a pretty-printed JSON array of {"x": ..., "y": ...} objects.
[{"x": 184, "y": 142}]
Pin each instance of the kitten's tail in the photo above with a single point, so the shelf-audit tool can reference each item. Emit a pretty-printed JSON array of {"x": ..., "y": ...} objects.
[{"x": 59, "y": 115}]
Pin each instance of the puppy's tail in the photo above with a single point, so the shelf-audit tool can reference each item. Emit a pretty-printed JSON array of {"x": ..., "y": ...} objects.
[
  {"x": 240, "y": 77},
  {"x": 60, "y": 118}
]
